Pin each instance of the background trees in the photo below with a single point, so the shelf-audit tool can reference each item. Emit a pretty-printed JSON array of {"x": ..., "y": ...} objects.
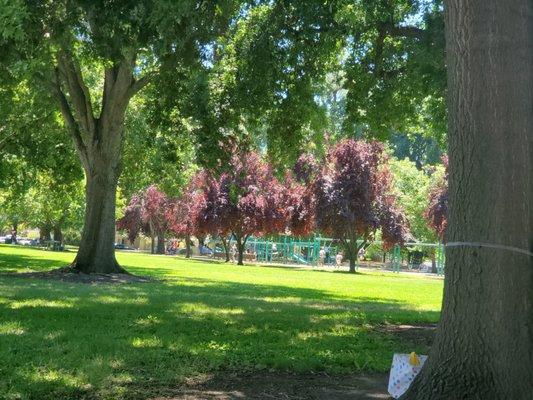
[
  {"x": 249, "y": 200},
  {"x": 146, "y": 212},
  {"x": 55, "y": 206},
  {"x": 40, "y": 179},
  {"x": 354, "y": 198},
  {"x": 182, "y": 213},
  {"x": 256, "y": 76},
  {"x": 119, "y": 45},
  {"x": 284, "y": 73},
  {"x": 412, "y": 188},
  {"x": 436, "y": 212}
]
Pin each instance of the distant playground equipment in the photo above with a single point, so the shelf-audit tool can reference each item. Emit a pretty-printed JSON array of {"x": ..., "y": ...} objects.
[{"x": 290, "y": 250}]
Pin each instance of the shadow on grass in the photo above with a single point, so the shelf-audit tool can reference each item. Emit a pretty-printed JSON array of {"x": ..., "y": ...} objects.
[
  {"x": 68, "y": 341},
  {"x": 10, "y": 263}
]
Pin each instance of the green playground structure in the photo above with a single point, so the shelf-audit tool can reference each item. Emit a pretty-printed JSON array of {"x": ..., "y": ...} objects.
[{"x": 290, "y": 250}]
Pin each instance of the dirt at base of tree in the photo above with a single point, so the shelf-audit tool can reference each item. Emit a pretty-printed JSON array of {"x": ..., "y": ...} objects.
[
  {"x": 415, "y": 334},
  {"x": 280, "y": 386},
  {"x": 67, "y": 274}
]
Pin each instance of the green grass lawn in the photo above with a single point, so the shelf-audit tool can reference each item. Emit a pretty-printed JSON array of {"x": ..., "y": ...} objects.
[{"x": 67, "y": 341}]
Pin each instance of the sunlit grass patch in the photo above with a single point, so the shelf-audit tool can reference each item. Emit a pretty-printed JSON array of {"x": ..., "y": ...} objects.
[
  {"x": 11, "y": 328},
  {"x": 65, "y": 340}
]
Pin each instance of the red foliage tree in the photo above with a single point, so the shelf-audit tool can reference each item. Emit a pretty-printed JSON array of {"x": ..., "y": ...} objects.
[
  {"x": 436, "y": 213},
  {"x": 247, "y": 200},
  {"x": 353, "y": 197},
  {"x": 182, "y": 213},
  {"x": 146, "y": 213},
  {"x": 305, "y": 168},
  {"x": 131, "y": 221},
  {"x": 299, "y": 196},
  {"x": 211, "y": 210}
]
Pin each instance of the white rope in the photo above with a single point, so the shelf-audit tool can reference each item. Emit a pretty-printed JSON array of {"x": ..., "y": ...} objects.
[{"x": 490, "y": 246}]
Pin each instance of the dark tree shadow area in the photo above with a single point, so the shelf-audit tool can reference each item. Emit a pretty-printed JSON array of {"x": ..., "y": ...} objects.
[
  {"x": 10, "y": 263},
  {"x": 61, "y": 340}
]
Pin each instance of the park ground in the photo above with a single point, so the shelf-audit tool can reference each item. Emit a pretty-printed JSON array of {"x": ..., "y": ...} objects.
[{"x": 206, "y": 330}]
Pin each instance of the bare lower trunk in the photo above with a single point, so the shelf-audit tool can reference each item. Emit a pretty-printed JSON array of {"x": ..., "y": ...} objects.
[
  {"x": 433, "y": 261},
  {"x": 225, "y": 244},
  {"x": 160, "y": 243},
  {"x": 58, "y": 234},
  {"x": 14, "y": 232},
  {"x": 241, "y": 243},
  {"x": 353, "y": 264},
  {"x": 45, "y": 234},
  {"x": 96, "y": 253},
  {"x": 201, "y": 241},
  {"x": 350, "y": 247},
  {"x": 152, "y": 244},
  {"x": 240, "y": 257},
  {"x": 187, "y": 246},
  {"x": 484, "y": 345}
]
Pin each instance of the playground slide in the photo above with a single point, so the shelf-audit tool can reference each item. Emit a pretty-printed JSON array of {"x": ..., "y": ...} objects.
[{"x": 299, "y": 259}]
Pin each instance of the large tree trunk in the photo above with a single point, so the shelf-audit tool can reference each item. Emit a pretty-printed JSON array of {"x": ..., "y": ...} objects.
[
  {"x": 484, "y": 343},
  {"x": 96, "y": 253},
  {"x": 98, "y": 142}
]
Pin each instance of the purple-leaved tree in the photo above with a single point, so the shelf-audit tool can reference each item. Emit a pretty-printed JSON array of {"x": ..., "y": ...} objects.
[
  {"x": 248, "y": 201},
  {"x": 436, "y": 213},
  {"x": 353, "y": 198},
  {"x": 146, "y": 213}
]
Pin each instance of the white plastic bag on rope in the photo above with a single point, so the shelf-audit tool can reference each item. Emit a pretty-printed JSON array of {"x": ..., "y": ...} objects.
[{"x": 403, "y": 373}]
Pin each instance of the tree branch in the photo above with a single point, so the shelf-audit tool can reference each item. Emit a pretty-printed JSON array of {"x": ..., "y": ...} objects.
[
  {"x": 78, "y": 91},
  {"x": 70, "y": 122},
  {"x": 140, "y": 83},
  {"x": 404, "y": 31}
]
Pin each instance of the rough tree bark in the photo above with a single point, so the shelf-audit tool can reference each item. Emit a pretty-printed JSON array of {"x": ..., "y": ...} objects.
[
  {"x": 484, "y": 343},
  {"x": 98, "y": 142}
]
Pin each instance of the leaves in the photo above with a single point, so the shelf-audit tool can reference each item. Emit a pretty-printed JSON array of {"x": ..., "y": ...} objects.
[
  {"x": 146, "y": 212},
  {"x": 436, "y": 213},
  {"x": 354, "y": 197}
]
